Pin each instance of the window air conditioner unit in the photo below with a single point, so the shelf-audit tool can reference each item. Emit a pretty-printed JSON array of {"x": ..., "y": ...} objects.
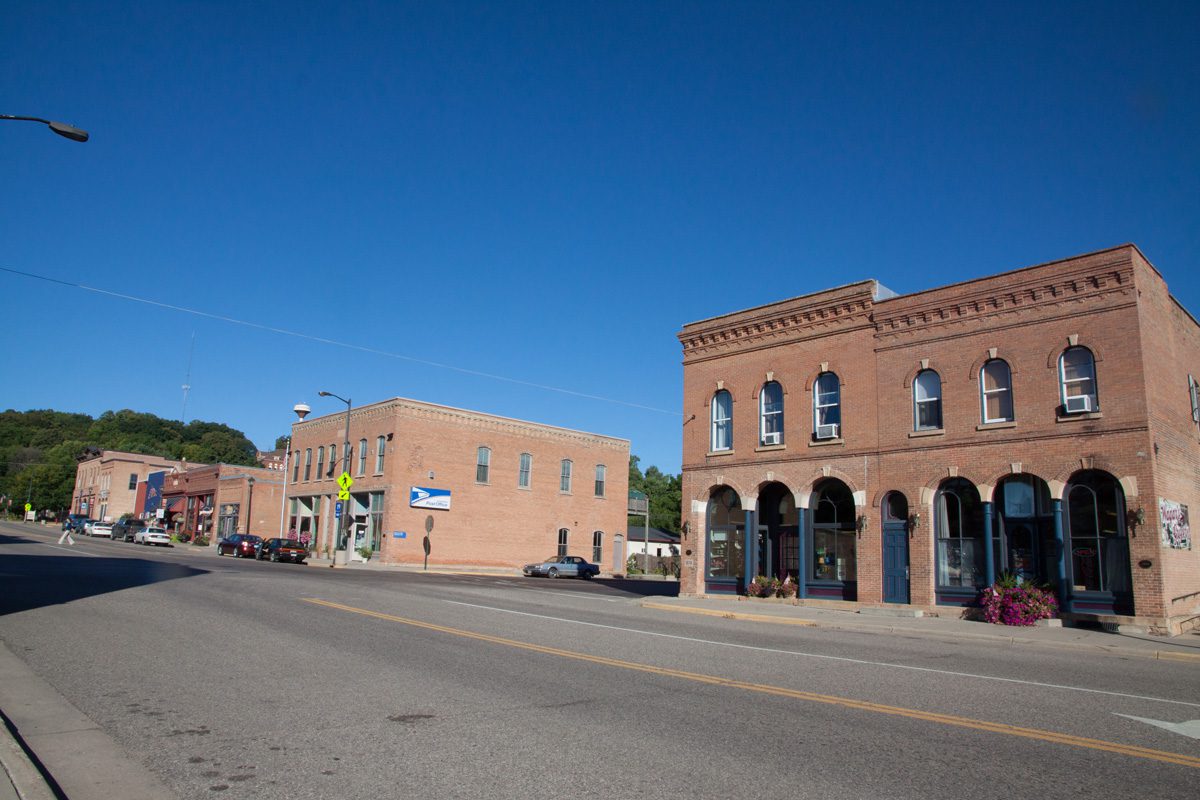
[
  {"x": 827, "y": 431},
  {"x": 771, "y": 438},
  {"x": 1079, "y": 404}
]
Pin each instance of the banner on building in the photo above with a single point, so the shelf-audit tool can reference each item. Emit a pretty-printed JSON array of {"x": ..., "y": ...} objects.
[
  {"x": 1176, "y": 530},
  {"x": 424, "y": 497},
  {"x": 154, "y": 490}
]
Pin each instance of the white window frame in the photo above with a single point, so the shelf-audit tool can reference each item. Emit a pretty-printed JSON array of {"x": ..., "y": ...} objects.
[
  {"x": 1194, "y": 394},
  {"x": 721, "y": 436},
  {"x": 380, "y": 451},
  {"x": 985, "y": 393},
  {"x": 362, "y": 456},
  {"x": 483, "y": 464},
  {"x": 917, "y": 389},
  {"x": 821, "y": 412},
  {"x": 1065, "y": 384},
  {"x": 770, "y": 419},
  {"x": 563, "y": 541},
  {"x": 598, "y": 547},
  {"x": 308, "y": 463},
  {"x": 601, "y": 474},
  {"x": 321, "y": 463},
  {"x": 564, "y": 476},
  {"x": 525, "y": 470}
]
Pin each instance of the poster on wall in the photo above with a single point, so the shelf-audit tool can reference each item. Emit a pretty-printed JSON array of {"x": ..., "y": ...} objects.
[{"x": 1173, "y": 519}]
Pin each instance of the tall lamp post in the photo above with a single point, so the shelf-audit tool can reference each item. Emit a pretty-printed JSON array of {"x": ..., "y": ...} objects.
[
  {"x": 341, "y": 556},
  {"x": 302, "y": 410},
  {"x": 249, "y": 502},
  {"x": 61, "y": 128}
]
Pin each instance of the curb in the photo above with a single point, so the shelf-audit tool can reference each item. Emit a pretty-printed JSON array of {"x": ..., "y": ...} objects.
[
  {"x": 1161, "y": 655},
  {"x": 27, "y": 780}
]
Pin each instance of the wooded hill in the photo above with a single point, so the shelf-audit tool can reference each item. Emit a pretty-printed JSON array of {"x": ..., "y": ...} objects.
[{"x": 38, "y": 449}]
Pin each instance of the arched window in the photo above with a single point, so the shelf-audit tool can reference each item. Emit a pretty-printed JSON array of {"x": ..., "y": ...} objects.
[
  {"x": 308, "y": 464},
  {"x": 562, "y": 541},
  {"x": 362, "y": 456},
  {"x": 722, "y": 421},
  {"x": 927, "y": 401},
  {"x": 725, "y": 552},
  {"x": 1077, "y": 377},
  {"x": 995, "y": 383},
  {"x": 483, "y": 464},
  {"x": 958, "y": 524},
  {"x": 827, "y": 406},
  {"x": 770, "y": 413},
  {"x": 380, "y": 450},
  {"x": 834, "y": 556},
  {"x": 1096, "y": 521},
  {"x": 597, "y": 546}
]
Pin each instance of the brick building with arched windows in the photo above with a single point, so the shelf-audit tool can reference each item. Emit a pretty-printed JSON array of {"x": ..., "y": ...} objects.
[{"x": 909, "y": 449}]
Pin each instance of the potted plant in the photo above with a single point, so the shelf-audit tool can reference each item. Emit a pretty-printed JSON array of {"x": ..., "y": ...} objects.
[{"x": 1013, "y": 601}]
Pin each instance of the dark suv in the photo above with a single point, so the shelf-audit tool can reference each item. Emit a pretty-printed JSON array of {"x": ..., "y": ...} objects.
[
  {"x": 123, "y": 530},
  {"x": 74, "y": 522}
]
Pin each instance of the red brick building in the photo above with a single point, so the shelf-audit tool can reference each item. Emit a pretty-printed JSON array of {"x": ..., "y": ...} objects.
[
  {"x": 222, "y": 499},
  {"x": 499, "y": 492},
  {"x": 106, "y": 482},
  {"x": 910, "y": 449}
]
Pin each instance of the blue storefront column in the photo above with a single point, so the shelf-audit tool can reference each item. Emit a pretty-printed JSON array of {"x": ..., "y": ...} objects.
[
  {"x": 748, "y": 548},
  {"x": 1064, "y": 602},
  {"x": 989, "y": 557},
  {"x": 801, "y": 549}
]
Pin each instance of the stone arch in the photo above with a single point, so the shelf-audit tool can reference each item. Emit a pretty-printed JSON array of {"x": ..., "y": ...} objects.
[
  {"x": 1058, "y": 485},
  {"x": 719, "y": 386},
  {"x": 930, "y": 487},
  {"x": 993, "y": 354},
  {"x": 822, "y": 368},
  {"x": 769, "y": 377},
  {"x": 1053, "y": 356},
  {"x": 922, "y": 365},
  {"x": 804, "y": 491}
]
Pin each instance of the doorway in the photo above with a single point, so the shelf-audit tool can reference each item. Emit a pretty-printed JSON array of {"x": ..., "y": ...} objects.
[{"x": 895, "y": 548}]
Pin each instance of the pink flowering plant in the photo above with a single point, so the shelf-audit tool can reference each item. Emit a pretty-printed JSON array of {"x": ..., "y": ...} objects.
[
  {"x": 787, "y": 588},
  {"x": 762, "y": 586},
  {"x": 1017, "y": 603}
]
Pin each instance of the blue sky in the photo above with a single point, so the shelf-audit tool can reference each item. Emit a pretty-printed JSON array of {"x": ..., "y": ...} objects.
[{"x": 547, "y": 191}]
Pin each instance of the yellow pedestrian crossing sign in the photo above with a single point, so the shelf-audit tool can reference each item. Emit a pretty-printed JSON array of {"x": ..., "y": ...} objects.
[
  {"x": 28, "y": 507},
  {"x": 345, "y": 481},
  {"x": 343, "y": 494}
]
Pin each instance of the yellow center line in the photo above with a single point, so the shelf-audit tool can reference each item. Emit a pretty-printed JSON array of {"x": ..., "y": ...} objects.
[{"x": 779, "y": 691}]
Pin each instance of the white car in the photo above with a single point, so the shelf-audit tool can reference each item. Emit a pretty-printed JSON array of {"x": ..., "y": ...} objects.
[
  {"x": 152, "y": 536},
  {"x": 101, "y": 529}
]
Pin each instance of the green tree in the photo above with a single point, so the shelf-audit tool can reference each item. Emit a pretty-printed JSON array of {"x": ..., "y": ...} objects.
[{"x": 665, "y": 492}]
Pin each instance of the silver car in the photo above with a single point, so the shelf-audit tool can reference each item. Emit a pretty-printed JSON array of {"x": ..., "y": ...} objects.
[
  {"x": 562, "y": 567},
  {"x": 155, "y": 536}
]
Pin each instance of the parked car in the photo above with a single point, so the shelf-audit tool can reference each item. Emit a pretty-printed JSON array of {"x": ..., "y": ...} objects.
[
  {"x": 562, "y": 567},
  {"x": 73, "y": 522},
  {"x": 239, "y": 545},
  {"x": 283, "y": 550},
  {"x": 102, "y": 529},
  {"x": 86, "y": 529},
  {"x": 124, "y": 529},
  {"x": 155, "y": 536}
]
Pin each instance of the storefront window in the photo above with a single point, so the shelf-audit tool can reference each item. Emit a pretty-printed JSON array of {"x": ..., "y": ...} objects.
[
  {"x": 1099, "y": 549},
  {"x": 726, "y": 535},
  {"x": 834, "y": 556},
  {"x": 958, "y": 522}
]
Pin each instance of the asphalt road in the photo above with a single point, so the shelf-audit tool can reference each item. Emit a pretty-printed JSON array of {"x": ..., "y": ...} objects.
[{"x": 250, "y": 679}]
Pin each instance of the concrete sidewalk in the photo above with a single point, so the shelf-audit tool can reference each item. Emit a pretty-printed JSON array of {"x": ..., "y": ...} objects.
[{"x": 882, "y": 620}]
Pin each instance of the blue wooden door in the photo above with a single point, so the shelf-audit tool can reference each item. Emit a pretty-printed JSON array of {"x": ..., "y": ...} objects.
[{"x": 895, "y": 562}]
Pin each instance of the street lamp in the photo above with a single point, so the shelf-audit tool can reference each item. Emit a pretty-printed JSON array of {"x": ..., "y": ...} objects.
[
  {"x": 61, "y": 128},
  {"x": 302, "y": 410},
  {"x": 249, "y": 502},
  {"x": 341, "y": 556}
]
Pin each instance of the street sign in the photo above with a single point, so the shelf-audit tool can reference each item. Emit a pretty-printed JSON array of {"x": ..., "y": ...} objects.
[
  {"x": 345, "y": 481},
  {"x": 343, "y": 494},
  {"x": 337, "y": 510},
  {"x": 28, "y": 507},
  {"x": 400, "y": 534}
]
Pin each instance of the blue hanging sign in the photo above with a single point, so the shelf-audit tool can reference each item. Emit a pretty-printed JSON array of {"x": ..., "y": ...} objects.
[{"x": 337, "y": 510}]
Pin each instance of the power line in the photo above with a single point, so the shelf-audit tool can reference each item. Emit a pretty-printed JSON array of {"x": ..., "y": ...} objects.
[{"x": 336, "y": 343}]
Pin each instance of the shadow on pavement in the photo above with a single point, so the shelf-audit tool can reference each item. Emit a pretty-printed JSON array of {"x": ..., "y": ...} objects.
[
  {"x": 34, "y": 581},
  {"x": 641, "y": 588}
]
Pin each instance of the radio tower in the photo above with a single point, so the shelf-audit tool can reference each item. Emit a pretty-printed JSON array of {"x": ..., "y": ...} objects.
[{"x": 188, "y": 380}]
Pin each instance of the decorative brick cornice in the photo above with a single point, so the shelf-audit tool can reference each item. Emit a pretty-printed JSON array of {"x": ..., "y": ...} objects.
[
  {"x": 1085, "y": 284},
  {"x": 789, "y": 321}
]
